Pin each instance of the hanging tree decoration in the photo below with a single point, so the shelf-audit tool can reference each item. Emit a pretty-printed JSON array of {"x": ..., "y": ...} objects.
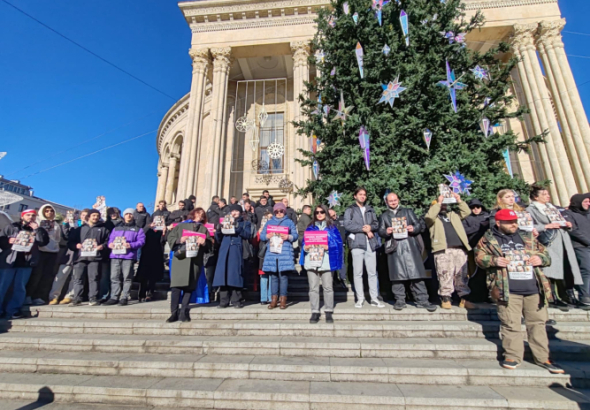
[
  {"x": 263, "y": 116},
  {"x": 343, "y": 111},
  {"x": 403, "y": 19},
  {"x": 355, "y": 17},
  {"x": 346, "y": 8},
  {"x": 359, "y": 58},
  {"x": 427, "y": 134},
  {"x": 333, "y": 72},
  {"x": 506, "y": 155},
  {"x": 316, "y": 169},
  {"x": 485, "y": 127},
  {"x": 334, "y": 199},
  {"x": 459, "y": 183},
  {"x": 243, "y": 124},
  {"x": 254, "y": 141},
  {"x": 377, "y": 7},
  {"x": 459, "y": 38},
  {"x": 314, "y": 143},
  {"x": 386, "y": 50},
  {"x": 391, "y": 91},
  {"x": 364, "y": 140},
  {"x": 275, "y": 150},
  {"x": 479, "y": 72},
  {"x": 453, "y": 85}
]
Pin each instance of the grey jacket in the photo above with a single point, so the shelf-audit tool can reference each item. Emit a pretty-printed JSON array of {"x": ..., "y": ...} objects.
[{"x": 354, "y": 222}]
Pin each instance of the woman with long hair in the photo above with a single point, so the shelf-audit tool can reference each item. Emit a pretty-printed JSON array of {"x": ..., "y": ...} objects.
[
  {"x": 185, "y": 271},
  {"x": 320, "y": 265}
]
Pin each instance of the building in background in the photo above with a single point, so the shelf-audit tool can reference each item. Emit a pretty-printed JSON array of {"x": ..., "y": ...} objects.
[{"x": 233, "y": 131}]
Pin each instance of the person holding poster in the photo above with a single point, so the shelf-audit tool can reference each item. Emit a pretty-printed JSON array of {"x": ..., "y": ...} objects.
[
  {"x": 322, "y": 253},
  {"x": 131, "y": 238},
  {"x": 19, "y": 243},
  {"x": 230, "y": 269},
  {"x": 553, "y": 229},
  {"x": 185, "y": 271},
  {"x": 404, "y": 253},
  {"x": 280, "y": 232},
  {"x": 512, "y": 260}
]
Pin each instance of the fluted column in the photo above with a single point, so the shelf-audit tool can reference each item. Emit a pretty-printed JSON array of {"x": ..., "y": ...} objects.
[
  {"x": 221, "y": 67},
  {"x": 301, "y": 174},
  {"x": 525, "y": 81},
  {"x": 162, "y": 179},
  {"x": 200, "y": 57},
  {"x": 173, "y": 166},
  {"x": 564, "y": 179}
]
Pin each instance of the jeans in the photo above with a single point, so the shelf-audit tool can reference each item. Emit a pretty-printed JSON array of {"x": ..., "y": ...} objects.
[
  {"x": 105, "y": 279},
  {"x": 93, "y": 271},
  {"x": 121, "y": 267},
  {"x": 314, "y": 278},
  {"x": 264, "y": 288},
  {"x": 369, "y": 259},
  {"x": 18, "y": 277},
  {"x": 63, "y": 273},
  {"x": 275, "y": 278}
]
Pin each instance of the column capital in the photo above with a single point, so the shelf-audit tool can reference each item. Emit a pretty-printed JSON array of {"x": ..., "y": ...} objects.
[
  {"x": 200, "y": 57},
  {"x": 174, "y": 156},
  {"x": 523, "y": 35},
  {"x": 300, "y": 50},
  {"x": 550, "y": 32},
  {"x": 221, "y": 56}
]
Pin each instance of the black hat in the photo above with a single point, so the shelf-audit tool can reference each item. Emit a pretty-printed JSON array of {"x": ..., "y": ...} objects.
[
  {"x": 235, "y": 207},
  {"x": 476, "y": 202}
]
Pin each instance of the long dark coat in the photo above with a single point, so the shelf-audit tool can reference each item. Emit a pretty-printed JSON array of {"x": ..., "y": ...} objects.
[
  {"x": 406, "y": 262},
  {"x": 230, "y": 261},
  {"x": 185, "y": 272}
]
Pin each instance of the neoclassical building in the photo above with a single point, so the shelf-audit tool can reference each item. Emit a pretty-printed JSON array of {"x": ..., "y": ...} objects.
[{"x": 233, "y": 131}]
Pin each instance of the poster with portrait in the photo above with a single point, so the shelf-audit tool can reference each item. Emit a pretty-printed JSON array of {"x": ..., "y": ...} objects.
[
  {"x": 227, "y": 225},
  {"x": 47, "y": 225},
  {"x": 159, "y": 223},
  {"x": 447, "y": 194},
  {"x": 88, "y": 249},
  {"x": 24, "y": 241},
  {"x": 273, "y": 234},
  {"x": 400, "y": 227},
  {"x": 316, "y": 241},
  {"x": 119, "y": 246},
  {"x": 525, "y": 221},
  {"x": 519, "y": 267},
  {"x": 101, "y": 206},
  {"x": 72, "y": 218},
  {"x": 192, "y": 247},
  {"x": 555, "y": 216},
  {"x": 264, "y": 220}
]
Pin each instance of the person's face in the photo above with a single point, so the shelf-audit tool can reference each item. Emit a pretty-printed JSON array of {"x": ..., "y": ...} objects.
[
  {"x": 94, "y": 217},
  {"x": 233, "y": 200},
  {"x": 544, "y": 197},
  {"x": 49, "y": 213},
  {"x": 128, "y": 218},
  {"x": 161, "y": 206},
  {"x": 307, "y": 211},
  {"x": 221, "y": 205},
  {"x": 140, "y": 207},
  {"x": 216, "y": 200},
  {"x": 114, "y": 215},
  {"x": 181, "y": 205},
  {"x": 320, "y": 214},
  {"x": 586, "y": 203},
  {"x": 83, "y": 215},
  {"x": 285, "y": 201},
  {"x": 361, "y": 197},
  {"x": 508, "y": 199},
  {"x": 235, "y": 213},
  {"x": 279, "y": 213},
  {"x": 266, "y": 194},
  {"x": 392, "y": 201},
  {"x": 508, "y": 227},
  {"x": 247, "y": 206},
  {"x": 476, "y": 210},
  {"x": 333, "y": 214},
  {"x": 245, "y": 198},
  {"x": 28, "y": 218},
  {"x": 263, "y": 201}
]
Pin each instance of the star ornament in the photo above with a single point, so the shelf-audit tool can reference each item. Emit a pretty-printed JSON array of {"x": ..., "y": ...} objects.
[
  {"x": 343, "y": 111},
  {"x": 479, "y": 72},
  {"x": 459, "y": 183},
  {"x": 334, "y": 199},
  {"x": 391, "y": 91},
  {"x": 453, "y": 85}
]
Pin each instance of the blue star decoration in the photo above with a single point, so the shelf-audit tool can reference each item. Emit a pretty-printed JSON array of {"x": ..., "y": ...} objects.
[
  {"x": 334, "y": 199},
  {"x": 391, "y": 91},
  {"x": 479, "y": 72},
  {"x": 459, "y": 183},
  {"x": 453, "y": 85}
]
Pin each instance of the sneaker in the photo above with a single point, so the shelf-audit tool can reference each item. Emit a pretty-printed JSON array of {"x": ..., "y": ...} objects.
[
  {"x": 111, "y": 302},
  {"x": 66, "y": 301},
  {"x": 552, "y": 367},
  {"x": 509, "y": 364},
  {"x": 377, "y": 303},
  {"x": 28, "y": 301},
  {"x": 93, "y": 302},
  {"x": 329, "y": 317},
  {"x": 426, "y": 305},
  {"x": 123, "y": 302},
  {"x": 54, "y": 301},
  {"x": 17, "y": 315},
  {"x": 75, "y": 303},
  {"x": 38, "y": 302},
  {"x": 446, "y": 302},
  {"x": 359, "y": 304},
  {"x": 315, "y": 318},
  {"x": 399, "y": 305},
  {"x": 561, "y": 305}
]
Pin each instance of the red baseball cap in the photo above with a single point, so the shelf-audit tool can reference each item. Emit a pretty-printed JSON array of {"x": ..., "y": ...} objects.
[
  {"x": 506, "y": 215},
  {"x": 28, "y": 211}
]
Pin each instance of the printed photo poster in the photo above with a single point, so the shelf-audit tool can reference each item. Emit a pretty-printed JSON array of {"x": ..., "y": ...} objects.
[
  {"x": 519, "y": 267},
  {"x": 316, "y": 240},
  {"x": 273, "y": 234},
  {"x": 525, "y": 221},
  {"x": 159, "y": 223},
  {"x": 89, "y": 248},
  {"x": 447, "y": 194},
  {"x": 47, "y": 225},
  {"x": 72, "y": 218},
  {"x": 400, "y": 227},
  {"x": 24, "y": 241},
  {"x": 101, "y": 206},
  {"x": 119, "y": 246},
  {"x": 211, "y": 229},
  {"x": 192, "y": 247},
  {"x": 265, "y": 219},
  {"x": 227, "y": 225},
  {"x": 555, "y": 216}
]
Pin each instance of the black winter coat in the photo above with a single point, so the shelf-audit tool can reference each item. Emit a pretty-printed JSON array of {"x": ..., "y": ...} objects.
[
  {"x": 580, "y": 232},
  {"x": 292, "y": 215},
  {"x": 475, "y": 226},
  {"x": 213, "y": 213},
  {"x": 10, "y": 258},
  {"x": 405, "y": 263},
  {"x": 79, "y": 235},
  {"x": 176, "y": 216},
  {"x": 260, "y": 211},
  {"x": 142, "y": 219}
]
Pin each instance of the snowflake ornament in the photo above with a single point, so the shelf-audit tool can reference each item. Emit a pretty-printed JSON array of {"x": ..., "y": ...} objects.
[
  {"x": 391, "y": 91},
  {"x": 479, "y": 72},
  {"x": 459, "y": 183},
  {"x": 275, "y": 150},
  {"x": 243, "y": 124},
  {"x": 334, "y": 199}
]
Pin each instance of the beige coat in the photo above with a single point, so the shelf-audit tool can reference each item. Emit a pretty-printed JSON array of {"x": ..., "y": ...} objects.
[{"x": 437, "y": 230}]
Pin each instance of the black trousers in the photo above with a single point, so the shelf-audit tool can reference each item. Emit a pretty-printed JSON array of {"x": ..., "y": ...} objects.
[
  {"x": 417, "y": 287},
  {"x": 175, "y": 300},
  {"x": 93, "y": 271},
  {"x": 227, "y": 292},
  {"x": 42, "y": 276}
]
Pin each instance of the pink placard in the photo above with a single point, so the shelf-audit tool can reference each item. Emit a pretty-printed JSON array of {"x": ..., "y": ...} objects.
[
  {"x": 315, "y": 238},
  {"x": 191, "y": 233},
  {"x": 211, "y": 229},
  {"x": 277, "y": 229},
  {"x": 221, "y": 220}
]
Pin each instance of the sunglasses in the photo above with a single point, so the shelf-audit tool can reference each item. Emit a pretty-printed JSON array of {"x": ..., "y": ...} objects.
[
  {"x": 279, "y": 212},
  {"x": 319, "y": 212}
]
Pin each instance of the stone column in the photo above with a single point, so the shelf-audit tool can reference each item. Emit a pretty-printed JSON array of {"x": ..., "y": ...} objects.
[
  {"x": 301, "y": 174},
  {"x": 517, "y": 43},
  {"x": 221, "y": 67},
  {"x": 200, "y": 57},
  {"x": 566, "y": 184},
  {"x": 162, "y": 178},
  {"x": 172, "y": 168}
]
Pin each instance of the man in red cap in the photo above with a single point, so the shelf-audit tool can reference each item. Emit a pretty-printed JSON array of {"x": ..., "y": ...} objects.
[
  {"x": 512, "y": 260},
  {"x": 20, "y": 253}
]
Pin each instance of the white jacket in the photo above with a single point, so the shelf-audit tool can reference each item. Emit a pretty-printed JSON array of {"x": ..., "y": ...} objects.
[{"x": 53, "y": 232}]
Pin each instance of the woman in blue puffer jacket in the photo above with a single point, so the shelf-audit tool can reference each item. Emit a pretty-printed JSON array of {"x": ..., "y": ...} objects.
[
  {"x": 321, "y": 268},
  {"x": 278, "y": 265}
]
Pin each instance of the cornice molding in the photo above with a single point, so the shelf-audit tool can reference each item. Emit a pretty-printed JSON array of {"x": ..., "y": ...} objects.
[
  {"x": 177, "y": 111},
  {"x": 253, "y": 23},
  {"x": 495, "y": 4}
]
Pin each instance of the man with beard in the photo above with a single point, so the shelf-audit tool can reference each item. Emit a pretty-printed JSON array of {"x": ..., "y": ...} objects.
[
  {"x": 177, "y": 216},
  {"x": 404, "y": 255}
]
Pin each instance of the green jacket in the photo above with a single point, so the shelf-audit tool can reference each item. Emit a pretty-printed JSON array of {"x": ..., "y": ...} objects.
[
  {"x": 488, "y": 250},
  {"x": 438, "y": 239}
]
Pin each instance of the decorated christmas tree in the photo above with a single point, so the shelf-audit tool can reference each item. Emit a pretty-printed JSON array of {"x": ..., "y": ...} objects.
[{"x": 400, "y": 102}]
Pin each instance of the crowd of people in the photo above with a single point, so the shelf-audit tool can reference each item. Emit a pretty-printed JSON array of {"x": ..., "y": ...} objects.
[{"x": 524, "y": 259}]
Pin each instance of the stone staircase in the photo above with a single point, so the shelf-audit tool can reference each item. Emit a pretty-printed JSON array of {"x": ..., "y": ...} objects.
[{"x": 253, "y": 358}]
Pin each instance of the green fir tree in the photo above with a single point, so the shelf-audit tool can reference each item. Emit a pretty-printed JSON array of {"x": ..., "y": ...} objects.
[{"x": 399, "y": 158}]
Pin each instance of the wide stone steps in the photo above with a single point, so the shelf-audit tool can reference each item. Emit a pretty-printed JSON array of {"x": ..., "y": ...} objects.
[
  {"x": 474, "y": 372},
  {"x": 229, "y": 394}
]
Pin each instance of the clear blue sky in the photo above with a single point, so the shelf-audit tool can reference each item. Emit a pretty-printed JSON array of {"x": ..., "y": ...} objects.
[{"x": 53, "y": 96}]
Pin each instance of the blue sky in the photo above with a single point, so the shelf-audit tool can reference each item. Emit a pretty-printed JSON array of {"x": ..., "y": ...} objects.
[{"x": 54, "y": 96}]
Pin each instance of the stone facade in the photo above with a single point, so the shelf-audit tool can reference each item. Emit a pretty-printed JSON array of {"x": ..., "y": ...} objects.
[{"x": 240, "y": 48}]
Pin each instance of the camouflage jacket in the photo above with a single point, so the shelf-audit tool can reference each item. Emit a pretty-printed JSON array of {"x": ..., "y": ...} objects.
[{"x": 488, "y": 250}]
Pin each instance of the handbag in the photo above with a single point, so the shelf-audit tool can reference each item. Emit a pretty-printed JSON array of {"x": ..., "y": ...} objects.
[{"x": 390, "y": 246}]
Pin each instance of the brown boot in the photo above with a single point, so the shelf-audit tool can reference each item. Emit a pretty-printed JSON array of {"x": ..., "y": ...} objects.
[
  {"x": 283, "y": 302},
  {"x": 273, "y": 302}
]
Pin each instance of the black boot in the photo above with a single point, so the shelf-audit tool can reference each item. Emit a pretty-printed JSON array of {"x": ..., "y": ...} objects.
[
  {"x": 173, "y": 317},
  {"x": 329, "y": 318},
  {"x": 184, "y": 316},
  {"x": 315, "y": 318}
]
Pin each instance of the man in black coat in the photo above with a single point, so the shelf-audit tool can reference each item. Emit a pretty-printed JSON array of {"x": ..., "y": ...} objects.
[
  {"x": 404, "y": 255},
  {"x": 291, "y": 214},
  {"x": 141, "y": 216},
  {"x": 579, "y": 210},
  {"x": 213, "y": 211},
  {"x": 269, "y": 199},
  {"x": 177, "y": 216},
  {"x": 190, "y": 203},
  {"x": 262, "y": 209}
]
